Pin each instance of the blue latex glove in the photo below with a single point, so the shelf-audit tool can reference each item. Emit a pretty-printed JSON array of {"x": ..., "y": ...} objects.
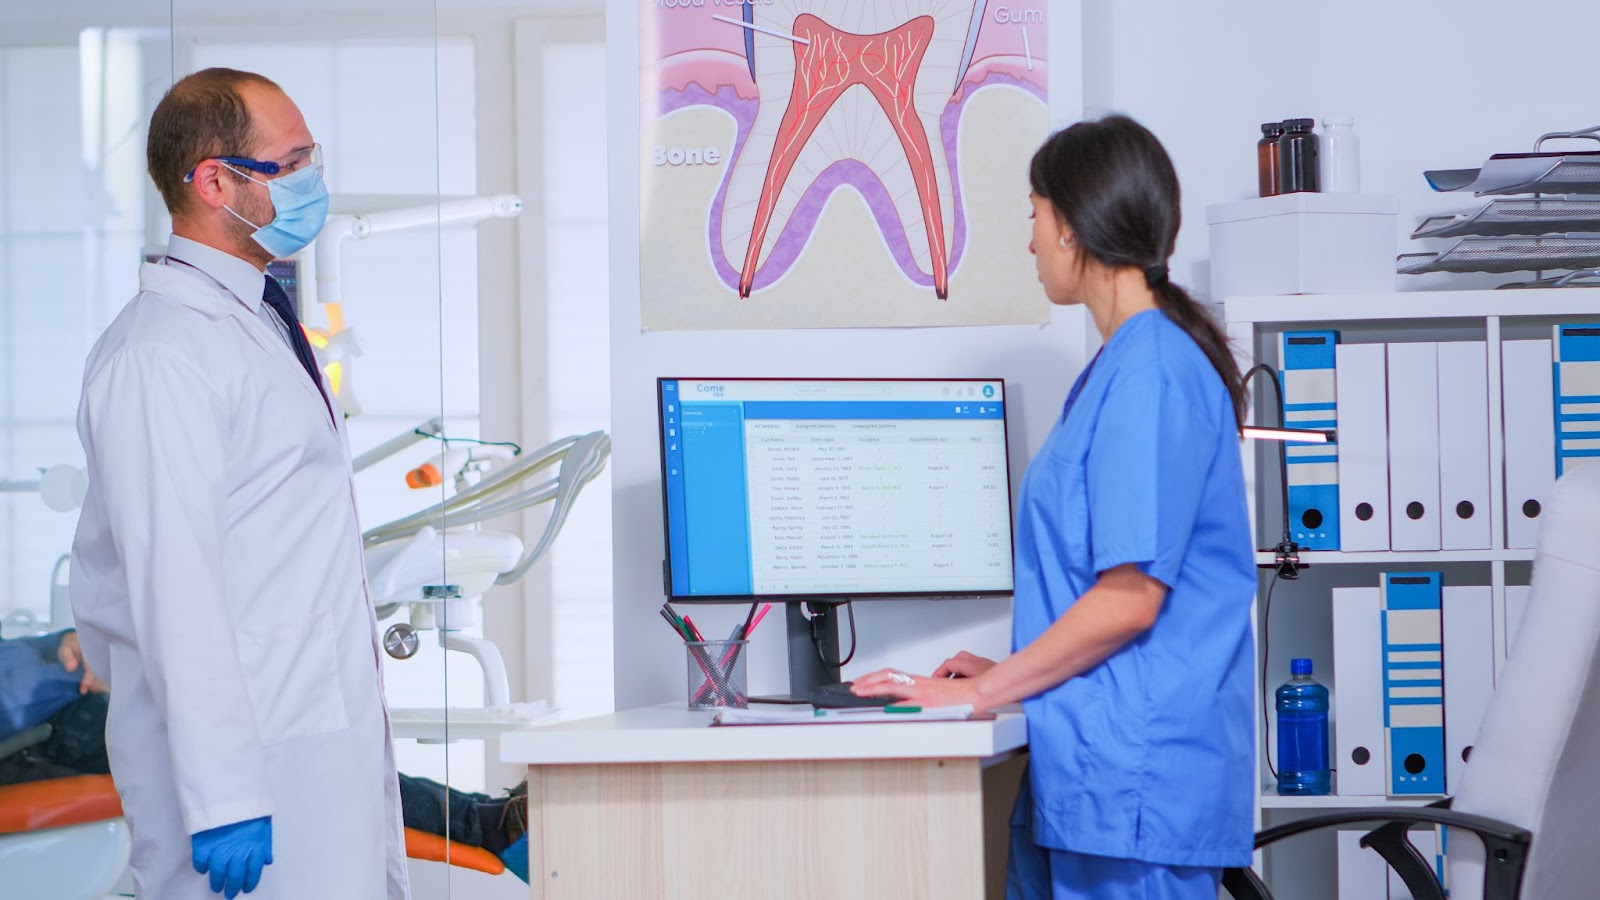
[{"x": 234, "y": 855}]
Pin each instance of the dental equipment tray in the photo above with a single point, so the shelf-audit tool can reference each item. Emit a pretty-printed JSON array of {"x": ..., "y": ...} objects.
[
  {"x": 1516, "y": 254},
  {"x": 1508, "y": 218}
]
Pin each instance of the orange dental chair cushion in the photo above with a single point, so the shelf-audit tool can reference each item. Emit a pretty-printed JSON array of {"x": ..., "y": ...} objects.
[
  {"x": 57, "y": 803},
  {"x": 422, "y": 845}
]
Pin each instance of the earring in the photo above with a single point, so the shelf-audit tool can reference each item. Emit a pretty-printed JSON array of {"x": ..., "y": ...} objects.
[{"x": 1064, "y": 243}]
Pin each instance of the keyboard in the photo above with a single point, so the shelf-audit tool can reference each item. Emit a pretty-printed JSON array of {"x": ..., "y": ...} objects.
[{"x": 838, "y": 696}]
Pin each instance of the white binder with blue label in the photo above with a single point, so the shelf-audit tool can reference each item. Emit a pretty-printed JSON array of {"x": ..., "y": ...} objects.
[
  {"x": 1577, "y": 390},
  {"x": 1413, "y": 682},
  {"x": 1309, "y": 399}
]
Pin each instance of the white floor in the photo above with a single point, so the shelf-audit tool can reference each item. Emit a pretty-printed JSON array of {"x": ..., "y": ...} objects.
[{"x": 435, "y": 881}]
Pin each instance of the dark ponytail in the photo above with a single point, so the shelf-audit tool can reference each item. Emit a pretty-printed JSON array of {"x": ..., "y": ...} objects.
[{"x": 1116, "y": 188}]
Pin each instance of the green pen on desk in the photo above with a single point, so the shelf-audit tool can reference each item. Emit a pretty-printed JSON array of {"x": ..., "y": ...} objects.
[{"x": 869, "y": 709}]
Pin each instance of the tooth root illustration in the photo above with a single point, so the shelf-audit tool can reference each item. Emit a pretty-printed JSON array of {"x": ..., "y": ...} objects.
[{"x": 866, "y": 95}]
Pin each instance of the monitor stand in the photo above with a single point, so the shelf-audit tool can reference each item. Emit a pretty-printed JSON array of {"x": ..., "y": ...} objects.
[{"x": 806, "y": 669}]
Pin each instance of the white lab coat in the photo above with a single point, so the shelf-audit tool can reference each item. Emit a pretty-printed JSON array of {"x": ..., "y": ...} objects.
[{"x": 218, "y": 587}]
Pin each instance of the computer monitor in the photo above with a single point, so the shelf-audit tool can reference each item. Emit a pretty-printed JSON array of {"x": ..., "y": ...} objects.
[{"x": 829, "y": 490}]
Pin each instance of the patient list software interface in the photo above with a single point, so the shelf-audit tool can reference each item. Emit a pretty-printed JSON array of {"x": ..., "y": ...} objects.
[{"x": 835, "y": 487}]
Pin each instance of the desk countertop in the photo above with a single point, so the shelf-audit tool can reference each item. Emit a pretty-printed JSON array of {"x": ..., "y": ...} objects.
[{"x": 672, "y": 734}]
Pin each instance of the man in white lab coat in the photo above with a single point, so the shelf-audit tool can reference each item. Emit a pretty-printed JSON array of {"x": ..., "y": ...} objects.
[{"x": 217, "y": 575}]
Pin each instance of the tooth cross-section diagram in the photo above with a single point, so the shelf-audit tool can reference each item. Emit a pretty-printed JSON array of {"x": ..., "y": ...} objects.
[
  {"x": 839, "y": 162},
  {"x": 826, "y": 66}
]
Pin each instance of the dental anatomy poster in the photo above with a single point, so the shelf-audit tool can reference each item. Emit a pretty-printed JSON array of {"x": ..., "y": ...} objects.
[{"x": 839, "y": 163}]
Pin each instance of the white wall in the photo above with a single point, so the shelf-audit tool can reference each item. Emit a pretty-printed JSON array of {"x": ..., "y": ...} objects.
[
  {"x": 1038, "y": 364},
  {"x": 1431, "y": 85}
]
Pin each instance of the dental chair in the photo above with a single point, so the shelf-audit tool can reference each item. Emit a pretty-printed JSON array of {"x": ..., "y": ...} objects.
[
  {"x": 63, "y": 838},
  {"x": 1532, "y": 781}
]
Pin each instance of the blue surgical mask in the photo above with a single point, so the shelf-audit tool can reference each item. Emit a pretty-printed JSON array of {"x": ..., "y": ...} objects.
[{"x": 301, "y": 201}]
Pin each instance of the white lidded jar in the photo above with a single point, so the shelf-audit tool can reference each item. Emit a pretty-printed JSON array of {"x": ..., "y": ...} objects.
[{"x": 1341, "y": 156}]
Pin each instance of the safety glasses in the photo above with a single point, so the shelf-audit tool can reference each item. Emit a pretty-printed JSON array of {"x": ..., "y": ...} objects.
[{"x": 294, "y": 162}]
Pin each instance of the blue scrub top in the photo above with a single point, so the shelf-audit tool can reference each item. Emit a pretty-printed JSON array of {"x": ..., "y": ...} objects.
[{"x": 1149, "y": 755}]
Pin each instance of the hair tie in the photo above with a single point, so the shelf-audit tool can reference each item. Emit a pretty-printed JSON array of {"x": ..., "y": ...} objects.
[{"x": 1155, "y": 275}]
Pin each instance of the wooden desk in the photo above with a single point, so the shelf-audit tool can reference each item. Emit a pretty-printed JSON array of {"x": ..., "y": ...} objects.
[{"x": 651, "y": 803}]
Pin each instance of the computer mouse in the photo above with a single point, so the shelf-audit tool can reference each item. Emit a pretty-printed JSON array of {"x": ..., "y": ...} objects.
[{"x": 838, "y": 696}]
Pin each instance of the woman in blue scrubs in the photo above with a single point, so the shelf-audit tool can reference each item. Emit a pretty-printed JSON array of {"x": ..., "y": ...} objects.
[{"x": 1134, "y": 566}]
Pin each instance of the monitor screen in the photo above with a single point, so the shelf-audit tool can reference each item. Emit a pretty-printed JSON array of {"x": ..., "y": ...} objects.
[{"x": 832, "y": 488}]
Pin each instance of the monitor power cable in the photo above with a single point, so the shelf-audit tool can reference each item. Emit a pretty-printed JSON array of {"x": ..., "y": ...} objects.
[{"x": 816, "y": 640}]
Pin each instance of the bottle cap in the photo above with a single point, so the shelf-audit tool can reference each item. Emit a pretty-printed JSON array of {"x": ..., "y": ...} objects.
[
  {"x": 1332, "y": 121},
  {"x": 1272, "y": 129},
  {"x": 1300, "y": 666},
  {"x": 1299, "y": 124}
]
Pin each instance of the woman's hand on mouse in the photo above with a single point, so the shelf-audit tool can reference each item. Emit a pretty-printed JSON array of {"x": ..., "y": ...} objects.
[{"x": 918, "y": 690}]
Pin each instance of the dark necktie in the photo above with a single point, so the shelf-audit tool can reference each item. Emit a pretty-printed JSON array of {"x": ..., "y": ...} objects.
[{"x": 274, "y": 297}]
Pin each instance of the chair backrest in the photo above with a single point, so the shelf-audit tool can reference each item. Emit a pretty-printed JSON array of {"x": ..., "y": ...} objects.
[{"x": 1536, "y": 761}]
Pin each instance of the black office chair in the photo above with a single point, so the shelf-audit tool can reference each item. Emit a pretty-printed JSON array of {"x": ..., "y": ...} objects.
[{"x": 1532, "y": 782}]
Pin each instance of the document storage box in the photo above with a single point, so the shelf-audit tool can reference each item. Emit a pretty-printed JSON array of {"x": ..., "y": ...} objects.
[{"x": 1302, "y": 244}]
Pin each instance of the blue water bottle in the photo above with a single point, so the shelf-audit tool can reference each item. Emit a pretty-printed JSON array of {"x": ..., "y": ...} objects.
[{"x": 1302, "y": 733}]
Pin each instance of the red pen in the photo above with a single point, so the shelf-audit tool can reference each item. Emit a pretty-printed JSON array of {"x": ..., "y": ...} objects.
[
  {"x": 693, "y": 630},
  {"x": 757, "y": 620}
]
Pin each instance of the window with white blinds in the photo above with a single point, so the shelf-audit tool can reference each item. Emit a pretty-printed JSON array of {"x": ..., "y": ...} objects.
[
  {"x": 579, "y": 361},
  {"x": 73, "y": 204}
]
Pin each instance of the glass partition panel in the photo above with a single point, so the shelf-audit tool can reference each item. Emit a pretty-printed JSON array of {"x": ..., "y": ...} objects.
[
  {"x": 387, "y": 293},
  {"x": 75, "y": 94},
  {"x": 388, "y": 300},
  {"x": 77, "y": 83}
]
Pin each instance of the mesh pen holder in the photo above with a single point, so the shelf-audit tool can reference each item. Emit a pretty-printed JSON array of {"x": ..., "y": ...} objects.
[{"x": 718, "y": 677}]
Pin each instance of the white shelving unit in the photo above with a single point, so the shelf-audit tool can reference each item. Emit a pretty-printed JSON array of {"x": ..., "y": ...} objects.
[
  {"x": 1394, "y": 557},
  {"x": 1301, "y": 611},
  {"x": 1271, "y": 799}
]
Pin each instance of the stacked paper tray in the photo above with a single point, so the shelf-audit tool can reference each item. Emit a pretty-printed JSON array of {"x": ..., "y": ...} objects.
[
  {"x": 1534, "y": 173},
  {"x": 1580, "y": 278},
  {"x": 1507, "y": 218},
  {"x": 1514, "y": 254}
]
